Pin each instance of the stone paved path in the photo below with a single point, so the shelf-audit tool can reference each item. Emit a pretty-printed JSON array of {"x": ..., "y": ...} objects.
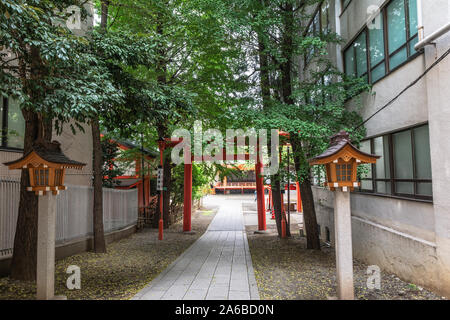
[{"x": 217, "y": 266}]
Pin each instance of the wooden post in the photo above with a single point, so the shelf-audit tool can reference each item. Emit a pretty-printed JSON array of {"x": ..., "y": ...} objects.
[
  {"x": 343, "y": 244},
  {"x": 45, "y": 277}
]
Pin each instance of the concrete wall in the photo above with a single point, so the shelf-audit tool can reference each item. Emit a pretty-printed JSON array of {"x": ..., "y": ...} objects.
[
  {"x": 436, "y": 13},
  {"x": 406, "y": 237},
  {"x": 79, "y": 148},
  {"x": 396, "y": 246},
  {"x": 410, "y": 109}
]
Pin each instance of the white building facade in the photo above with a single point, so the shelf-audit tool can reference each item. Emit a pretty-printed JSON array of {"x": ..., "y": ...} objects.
[
  {"x": 401, "y": 215},
  {"x": 12, "y": 124}
]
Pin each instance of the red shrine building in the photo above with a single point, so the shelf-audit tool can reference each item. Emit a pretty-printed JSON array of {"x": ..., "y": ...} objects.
[
  {"x": 132, "y": 176},
  {"x": 243, "y": 183}
]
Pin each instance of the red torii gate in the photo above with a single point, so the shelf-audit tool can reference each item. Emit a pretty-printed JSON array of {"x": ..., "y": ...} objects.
[{"x": 187, "y": 213}]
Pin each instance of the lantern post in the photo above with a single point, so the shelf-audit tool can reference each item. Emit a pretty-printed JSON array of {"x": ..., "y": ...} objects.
[
  {"x": 45, "y": 277},
  {"x": 341, "y": 161},
  {"x": 46, "y": 165}
]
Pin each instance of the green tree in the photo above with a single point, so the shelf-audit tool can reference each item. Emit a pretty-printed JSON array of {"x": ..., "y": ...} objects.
[
  {"x": 123, "y": 54},
  {"x": 192, "y": 75},
  {"x": 110, "y": 168},
  {"x": 307, "y": 103},
  {"x": 56, "y": 79}
]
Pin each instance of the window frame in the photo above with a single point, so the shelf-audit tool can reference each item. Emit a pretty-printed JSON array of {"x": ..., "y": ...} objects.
[
  {"x": 410, "y": 55},
  {"x": 4, "y": 128},
  {"x": 317, "y": 14},
  {"x": 393, "y": 180}
]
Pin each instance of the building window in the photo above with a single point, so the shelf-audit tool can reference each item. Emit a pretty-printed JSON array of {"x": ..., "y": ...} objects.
[
  {"x": 404, "y": 168},
  {"x": 376, "y": 48},
  {"x": 12, "y": 124},
  {"x": 385, "y": 44},
  {"x": 325, "y": 23},
  {"x": 320, "y": 23}
]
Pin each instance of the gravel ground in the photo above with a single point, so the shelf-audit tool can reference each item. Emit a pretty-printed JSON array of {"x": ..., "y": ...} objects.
[
  {"x": 285, "y": 270},
  {"x": 129, "y": 265}
]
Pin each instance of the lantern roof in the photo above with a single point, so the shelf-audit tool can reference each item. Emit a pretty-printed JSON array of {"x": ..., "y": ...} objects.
[
  {"x": 45, "y": 153},
  {"x": 341, "y": 147}
]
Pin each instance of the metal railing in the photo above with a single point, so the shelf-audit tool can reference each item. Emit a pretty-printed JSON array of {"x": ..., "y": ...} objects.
[{"x": 74, "y": 212}]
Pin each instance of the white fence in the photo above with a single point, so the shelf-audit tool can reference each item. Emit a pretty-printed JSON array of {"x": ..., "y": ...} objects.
[{"x": 74, "y": 212}]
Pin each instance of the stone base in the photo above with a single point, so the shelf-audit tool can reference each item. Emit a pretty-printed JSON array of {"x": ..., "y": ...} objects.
[
  {"x": 56, "y": 298},
  {"x": 189, "y": 232},
  {"x": 261, "y": 232}
]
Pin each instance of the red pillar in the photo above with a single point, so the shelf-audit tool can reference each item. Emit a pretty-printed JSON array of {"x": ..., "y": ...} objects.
[
  {"x": 187, "y": 198},
  {"x": 260, "y": 198},
  {"x": 263, "y": 198},
  {"x": 258, "y": 203},
  {"x": 140, "y": 201},
  {"x": 299, "y": 199}
]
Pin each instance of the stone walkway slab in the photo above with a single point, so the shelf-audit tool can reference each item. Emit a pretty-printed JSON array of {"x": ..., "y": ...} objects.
[{"x": 218, "y": 266}]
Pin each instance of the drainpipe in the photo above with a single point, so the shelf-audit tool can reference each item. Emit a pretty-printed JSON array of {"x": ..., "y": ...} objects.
[
  {"x": 428, "y": 40},
  {"x": 339, "y": 58},
  {"x": 420, "y": 19}
]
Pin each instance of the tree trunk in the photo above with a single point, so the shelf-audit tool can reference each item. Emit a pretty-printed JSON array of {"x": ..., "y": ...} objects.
[
  {"x": 264, "y": 72},
  {"x": 24, "y": 259},
  {"x": 97, "y": 163},
  {"x": 286, "y": 66},
  {"x": 276, "y": 198},
  {"x": 99, "y": 236},
  {"x": 163, "y": 132},
  {"x": 309, "y": 214},
  {"x": 309, "y": 211},
  {"x": 265, "y": 95},
  {"x": 104, "y": 15},
  {"x": 287, "y": 55}
]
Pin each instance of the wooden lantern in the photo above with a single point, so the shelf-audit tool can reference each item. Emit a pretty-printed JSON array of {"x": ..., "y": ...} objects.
[
  {"x": 341, "y": 161},
  {"x": 46, "y": 166}
]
